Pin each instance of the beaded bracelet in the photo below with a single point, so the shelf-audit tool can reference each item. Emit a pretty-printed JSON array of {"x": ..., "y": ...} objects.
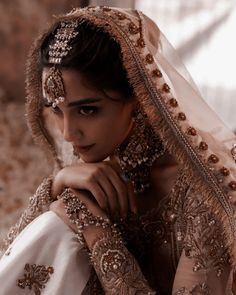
[{"x": 79, "y": 215}]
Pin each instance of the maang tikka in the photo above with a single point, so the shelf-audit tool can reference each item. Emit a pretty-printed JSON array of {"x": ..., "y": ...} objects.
[
  {"x": 139, "y": 152},
  {"x": 54, "y": 85}
]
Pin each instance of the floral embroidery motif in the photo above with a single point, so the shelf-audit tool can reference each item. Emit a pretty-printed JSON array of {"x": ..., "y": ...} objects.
[
  {"x": 204, "y": 241},
  {"x": 112, "y": 260},
  {"x": 35, "y": 277},
  {"x": 116, "y": 268}
]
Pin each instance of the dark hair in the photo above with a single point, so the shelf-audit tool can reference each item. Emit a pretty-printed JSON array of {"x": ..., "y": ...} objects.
[{"x": 96, "y": 55}]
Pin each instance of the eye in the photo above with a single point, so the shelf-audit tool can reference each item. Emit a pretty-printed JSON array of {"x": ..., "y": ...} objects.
[{"x": 87, "y": 110}]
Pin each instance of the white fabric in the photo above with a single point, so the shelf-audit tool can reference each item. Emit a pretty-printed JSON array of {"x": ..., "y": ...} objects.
[{"x": 46, "y": 241}]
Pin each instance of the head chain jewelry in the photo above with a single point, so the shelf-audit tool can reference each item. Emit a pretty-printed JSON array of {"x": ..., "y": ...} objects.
[
  {"x": 79, "y": 215},
  {"x": 54, "y": 87},
  {"x": 54, "y": 84},
  {"x": 138, "y": 154}
]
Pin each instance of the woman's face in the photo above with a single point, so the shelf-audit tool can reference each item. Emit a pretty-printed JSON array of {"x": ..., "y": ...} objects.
[{"x": 94, "y": 123}]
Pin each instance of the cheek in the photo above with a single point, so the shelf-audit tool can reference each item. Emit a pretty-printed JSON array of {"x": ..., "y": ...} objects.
[{"x": 115, "y": 126}]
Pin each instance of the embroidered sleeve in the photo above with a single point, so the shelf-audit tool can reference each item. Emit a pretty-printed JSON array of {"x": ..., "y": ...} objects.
[
  {"x": 116, "y": 268},
  {"x": 38, "y": 203}
]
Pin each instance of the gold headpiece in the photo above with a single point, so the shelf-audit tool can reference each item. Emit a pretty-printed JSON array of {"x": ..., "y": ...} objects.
[{"x": 63, "y": 36}]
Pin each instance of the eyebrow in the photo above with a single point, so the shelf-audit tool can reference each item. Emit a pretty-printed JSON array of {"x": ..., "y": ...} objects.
[
  {"x": 82, "y": 102},
  {"x": 75, "y": 103}
]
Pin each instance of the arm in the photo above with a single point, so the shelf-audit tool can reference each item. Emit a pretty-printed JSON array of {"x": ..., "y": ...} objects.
[
  {"x": 38, "y": 203},
  {"x": 117, "y": 270}
]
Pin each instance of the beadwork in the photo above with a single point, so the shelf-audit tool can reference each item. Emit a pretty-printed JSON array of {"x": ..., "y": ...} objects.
[
  {"x": 54, "y": 87},
  {"x": 79, "y": 215},
  {"x": 63, "y": 36},
  {"x": 137, "y": 156},
  {"x": 109, "y": 257}
]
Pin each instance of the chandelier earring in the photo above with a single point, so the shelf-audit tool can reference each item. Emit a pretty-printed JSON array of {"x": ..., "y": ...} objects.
[{"x": 137, "y": 155}]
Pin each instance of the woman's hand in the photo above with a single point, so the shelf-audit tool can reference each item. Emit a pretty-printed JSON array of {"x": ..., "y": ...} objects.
[
  {"x": 103, "y": 181},
  {"x": 91, "y": 232}
]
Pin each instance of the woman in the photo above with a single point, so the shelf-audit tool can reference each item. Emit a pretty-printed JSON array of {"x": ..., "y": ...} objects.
[{"x": 145, "y": 172}]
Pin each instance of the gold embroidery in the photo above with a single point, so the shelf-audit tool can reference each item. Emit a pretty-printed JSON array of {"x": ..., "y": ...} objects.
[
  {"x": 38, "y": 203},
  {"x": 157, "y": 226},
  {"x": 199, "y": 289},
  {"x": 35, "y": 277},
  {"x": 93, "y": 286},
  {"x": 204, "y": 241},
  {"x": 161, "y": 229},
  {"x": 117, "y": 269}
]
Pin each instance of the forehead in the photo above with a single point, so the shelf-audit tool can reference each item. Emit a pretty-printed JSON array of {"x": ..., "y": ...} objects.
[{"x": 77, "y": 86}]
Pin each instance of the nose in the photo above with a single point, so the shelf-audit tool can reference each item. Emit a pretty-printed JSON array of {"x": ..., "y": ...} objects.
[{"x": 71, "y": 130}]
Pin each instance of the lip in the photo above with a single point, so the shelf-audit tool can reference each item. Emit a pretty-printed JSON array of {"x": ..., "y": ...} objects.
[{"x": 82, "y": 149}]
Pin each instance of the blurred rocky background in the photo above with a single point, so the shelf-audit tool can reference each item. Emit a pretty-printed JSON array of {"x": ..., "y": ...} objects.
[
  {"x": 22, "y": 164},
  {"x": 21, "y": 20}
]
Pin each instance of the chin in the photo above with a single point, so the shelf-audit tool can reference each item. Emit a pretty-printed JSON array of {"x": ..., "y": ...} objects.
[{"x": 94, "y": 158}]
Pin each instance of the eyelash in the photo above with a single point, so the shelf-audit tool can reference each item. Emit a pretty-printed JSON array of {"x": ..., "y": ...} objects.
[{"x": 91, "y": 110}]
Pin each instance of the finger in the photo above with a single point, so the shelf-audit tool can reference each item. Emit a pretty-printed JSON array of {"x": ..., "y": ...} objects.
[
  {"x": 133, "y": 204},
  {"x": 114, "y": 165},
  {"x": 111, "y": 195},
  {"x": 121, "y": 191},
  {"x": 99, "y": 195}
]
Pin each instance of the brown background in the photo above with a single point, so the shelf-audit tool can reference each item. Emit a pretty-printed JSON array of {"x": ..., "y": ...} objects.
[
  {"x": 21, "y": 20},
  {"x": 22, "y": 164}
]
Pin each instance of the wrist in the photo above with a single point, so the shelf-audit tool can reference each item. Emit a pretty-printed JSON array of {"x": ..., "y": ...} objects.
[
  {"x": 92, "y": 233},
  {"x": 57, "y": 185},
  {"x": 88, "y": 223}
]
